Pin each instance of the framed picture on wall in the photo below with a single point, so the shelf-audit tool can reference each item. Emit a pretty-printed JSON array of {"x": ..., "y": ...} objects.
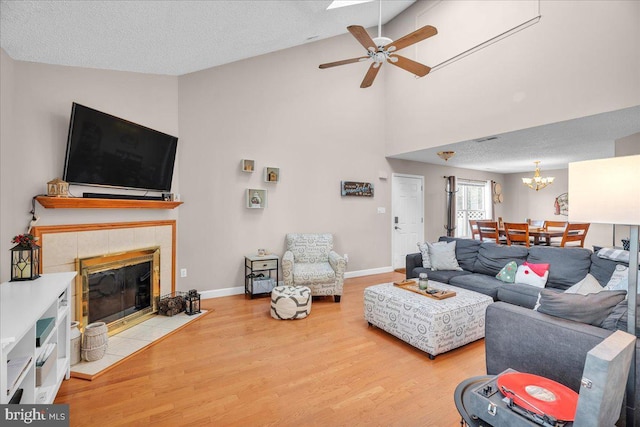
[
  {"x": 248, "y": 165},
  {"x": 256, "y": 198},
  {"x": 271, "y": 174}
]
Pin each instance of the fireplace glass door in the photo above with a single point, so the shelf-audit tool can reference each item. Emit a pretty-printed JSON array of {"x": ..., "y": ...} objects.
[{"x": 117, "y": 293}]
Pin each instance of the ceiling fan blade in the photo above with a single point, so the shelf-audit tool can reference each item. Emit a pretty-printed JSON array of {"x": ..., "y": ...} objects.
[
  {"x": 411, "y": 38},
  {"x": 363, "y": 37},
  {"x": 343, "y": 62},
  {"x": 371, "y": 75},
  {"x": 410, "y": 65}
]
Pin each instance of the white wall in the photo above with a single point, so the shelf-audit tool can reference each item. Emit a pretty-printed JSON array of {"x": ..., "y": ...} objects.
[
  {"x": 582, "y": 58},
  {"x": 35, "y": 114}
]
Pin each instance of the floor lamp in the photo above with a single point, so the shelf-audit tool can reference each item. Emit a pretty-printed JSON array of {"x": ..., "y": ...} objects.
[{"x": 606, "y": 191}]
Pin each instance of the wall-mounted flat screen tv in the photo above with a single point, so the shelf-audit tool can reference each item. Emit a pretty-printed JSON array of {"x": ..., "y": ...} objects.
[{"x": 105, "y": 150}]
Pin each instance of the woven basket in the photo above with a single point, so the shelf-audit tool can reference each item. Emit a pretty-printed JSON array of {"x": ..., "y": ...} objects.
[{"x": 95, "y": 341}]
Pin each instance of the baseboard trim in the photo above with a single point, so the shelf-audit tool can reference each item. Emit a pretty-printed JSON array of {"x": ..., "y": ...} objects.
[
  {"x": 239, "y": 290},
  {"x": 360, "y": 273},
  {"x": 225, "y": 292}
]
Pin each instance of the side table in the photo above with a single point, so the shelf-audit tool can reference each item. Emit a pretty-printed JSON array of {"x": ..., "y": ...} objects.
[{"x": 255, "y": 268}]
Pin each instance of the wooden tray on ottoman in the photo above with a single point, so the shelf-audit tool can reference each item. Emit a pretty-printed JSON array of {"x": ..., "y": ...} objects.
[{"x": 411, "y": 285}]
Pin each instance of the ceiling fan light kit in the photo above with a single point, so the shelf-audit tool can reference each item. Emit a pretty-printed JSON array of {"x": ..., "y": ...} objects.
[{"x": 383, "y": 49}]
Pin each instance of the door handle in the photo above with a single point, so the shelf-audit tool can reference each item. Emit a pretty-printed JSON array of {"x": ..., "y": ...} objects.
[{"x": 397, "y": 228}]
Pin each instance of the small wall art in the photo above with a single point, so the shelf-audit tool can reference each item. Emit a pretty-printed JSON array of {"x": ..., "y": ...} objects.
[
  {"x": 271, "y": 174},
  {"x": 256, "y": 198},
  {"x": 248, "y": 165},
  {"x": 353, "y": 188}
]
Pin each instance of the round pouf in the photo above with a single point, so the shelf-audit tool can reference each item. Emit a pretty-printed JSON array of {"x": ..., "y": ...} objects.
[
  {"x": 290, "y": 302},
  {"x": 95, "y": 341}
]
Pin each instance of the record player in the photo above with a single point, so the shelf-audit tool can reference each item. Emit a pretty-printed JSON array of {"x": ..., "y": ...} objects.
[
  {"x": 516, "y": 399},
  {"x": 523, "y": 400}
]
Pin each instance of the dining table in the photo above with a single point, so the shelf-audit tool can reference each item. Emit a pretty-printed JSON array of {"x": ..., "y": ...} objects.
[{"x": 539, "y": 234}]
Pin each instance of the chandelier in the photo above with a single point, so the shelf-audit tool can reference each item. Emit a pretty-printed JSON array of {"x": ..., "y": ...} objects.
[{"x": 537, "y": 182}]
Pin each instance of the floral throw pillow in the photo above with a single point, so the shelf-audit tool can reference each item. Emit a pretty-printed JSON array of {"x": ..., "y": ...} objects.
[
  {"x": 424, "y": 250},
  {"x": 508, "y": 272}
]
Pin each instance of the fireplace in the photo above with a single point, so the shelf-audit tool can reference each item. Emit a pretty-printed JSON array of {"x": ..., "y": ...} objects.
[{"x": 121, "y": 289}]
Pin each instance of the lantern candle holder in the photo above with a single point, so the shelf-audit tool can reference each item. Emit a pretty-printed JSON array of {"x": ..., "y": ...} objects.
[
  {"x": 25, "y": 258},
  {"x": 192, "y": 302}
]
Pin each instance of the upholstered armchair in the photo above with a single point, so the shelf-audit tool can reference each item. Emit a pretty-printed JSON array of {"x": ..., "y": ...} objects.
[{"x": 310, "y": 261}]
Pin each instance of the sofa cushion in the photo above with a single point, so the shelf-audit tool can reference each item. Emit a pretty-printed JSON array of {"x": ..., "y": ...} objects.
[
  {"x": 567, "y": 265},
  {"x": 492, "y": 257},
  {"x": 602, "y": 269},
  {"x": 481, "y": 283},
  {"x": 311, "y": 274},
  {"x": 519, "y": 294},
  {"x": 443, "y": 256},
  {"x": 444, "y": 276},
  {"x": 466, "y": 251},
  {"x": 592, "y": 309},
  {"x": 588, "y": 285}
]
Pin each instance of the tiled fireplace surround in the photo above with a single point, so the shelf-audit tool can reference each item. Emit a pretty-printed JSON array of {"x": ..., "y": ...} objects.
[{"x": 63, "y": 244}]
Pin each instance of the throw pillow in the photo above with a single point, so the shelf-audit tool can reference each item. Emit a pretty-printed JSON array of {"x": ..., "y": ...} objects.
[
  {"x": 527, "y": 276},
  {"x": 508, "y": 272},
  {"x": 424, "y": 250},
  {"x": 619, "y": 280},
  {"x": 618, "y": 255},
  {"x": 592, "y": 309},
  {"x": 588, "y": 285},
  {"x": 443, "y": 256},
  {"x": 539, "y": 269}
]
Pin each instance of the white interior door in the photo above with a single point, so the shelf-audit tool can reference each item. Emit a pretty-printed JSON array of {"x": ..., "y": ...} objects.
[{"x": 407, "y": 216}]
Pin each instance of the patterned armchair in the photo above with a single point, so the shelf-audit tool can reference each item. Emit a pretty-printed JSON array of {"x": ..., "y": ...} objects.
[{"x": 310, "y": 261}]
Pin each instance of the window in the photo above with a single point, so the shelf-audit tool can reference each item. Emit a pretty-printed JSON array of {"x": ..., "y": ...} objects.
[{"x": 473, "y": 201}]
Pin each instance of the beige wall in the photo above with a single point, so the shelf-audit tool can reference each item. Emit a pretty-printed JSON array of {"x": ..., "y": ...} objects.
[
  {"x": 580, "y": 59},
  {"x": 35, "y": 121},
  {"x": 7, "y": 150},
  {"x": 280, "y": 110}
]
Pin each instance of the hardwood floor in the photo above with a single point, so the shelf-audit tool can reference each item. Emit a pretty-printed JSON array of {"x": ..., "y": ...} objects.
[{"x": 239, "y": 367}]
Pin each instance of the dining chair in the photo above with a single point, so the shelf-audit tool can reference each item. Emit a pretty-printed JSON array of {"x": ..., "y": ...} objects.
[
  {"x": 536, "y": 223},
  {"x": 575, "y": 232},
  {"x": 489, "y": 231},
  {"x": 554, "y": 226},
  {"x": 473, "y": 224},
  {"x": 517, "y": 233}
]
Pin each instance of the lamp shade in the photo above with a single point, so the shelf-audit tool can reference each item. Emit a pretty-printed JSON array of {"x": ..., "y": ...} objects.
[{"x": 605, "y": 191}]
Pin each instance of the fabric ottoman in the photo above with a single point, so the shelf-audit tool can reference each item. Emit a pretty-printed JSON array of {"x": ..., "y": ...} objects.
[
  {"x": 434, "y": 326},
  {"x": 290, "y": 302}
]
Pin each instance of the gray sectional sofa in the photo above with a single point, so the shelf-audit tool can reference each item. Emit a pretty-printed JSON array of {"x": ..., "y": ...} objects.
[{"x": 518, "y": 337}]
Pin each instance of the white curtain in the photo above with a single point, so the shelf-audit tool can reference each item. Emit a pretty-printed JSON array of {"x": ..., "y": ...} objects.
[{"x": 488, "y": 199}]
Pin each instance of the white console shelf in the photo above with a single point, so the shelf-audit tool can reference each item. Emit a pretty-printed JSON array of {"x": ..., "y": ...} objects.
[{"x": 22, "y": 305}]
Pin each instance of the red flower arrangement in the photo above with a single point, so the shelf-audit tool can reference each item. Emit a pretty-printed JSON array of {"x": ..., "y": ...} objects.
[{"x": 25, "y": 240}]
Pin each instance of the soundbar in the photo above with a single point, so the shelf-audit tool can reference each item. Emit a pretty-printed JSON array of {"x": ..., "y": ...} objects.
[{"x": 119, "y": 196}]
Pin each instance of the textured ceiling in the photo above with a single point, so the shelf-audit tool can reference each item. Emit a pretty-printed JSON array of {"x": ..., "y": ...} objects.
[
  {"x": 171, "y": 37},
  {"x": 555, "y": 145},
  {"x": 178, "y": 37}
]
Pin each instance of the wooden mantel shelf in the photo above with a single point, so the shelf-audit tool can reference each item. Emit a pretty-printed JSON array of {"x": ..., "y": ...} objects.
[{"x": 86, "y": 203}]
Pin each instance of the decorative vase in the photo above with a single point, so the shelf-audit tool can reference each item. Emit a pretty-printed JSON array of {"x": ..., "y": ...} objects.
[
  {"x": 95, "y": 341},
  {"x": 256, "y": 201},
  {"x": 76, "y": 340},
  {"x": 423, "y": 281}
]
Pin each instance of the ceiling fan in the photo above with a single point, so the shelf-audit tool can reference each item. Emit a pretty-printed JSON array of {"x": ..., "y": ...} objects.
[{"x": 381, "y": 49}]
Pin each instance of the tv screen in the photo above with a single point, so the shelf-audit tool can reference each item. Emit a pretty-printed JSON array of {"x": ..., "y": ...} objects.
[{"x": 105, "y": 150}]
